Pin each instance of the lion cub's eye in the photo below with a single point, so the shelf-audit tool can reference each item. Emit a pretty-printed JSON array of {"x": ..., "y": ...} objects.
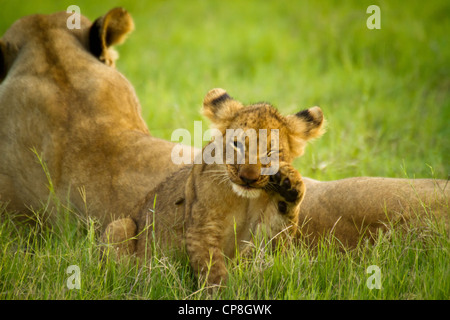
[{"x": 238, "y": 145}]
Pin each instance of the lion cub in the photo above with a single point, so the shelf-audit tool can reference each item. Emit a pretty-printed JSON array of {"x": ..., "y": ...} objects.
[{"x": 209, "y": 209}]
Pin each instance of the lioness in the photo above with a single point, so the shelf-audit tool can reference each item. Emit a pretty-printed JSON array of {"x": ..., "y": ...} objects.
[
  {"x": 61, "y": 96},
  {"x": 185, "y": 211}
]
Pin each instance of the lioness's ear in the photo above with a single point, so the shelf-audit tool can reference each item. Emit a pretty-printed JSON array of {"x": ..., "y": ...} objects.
[
  {"x": 220, "y": 108},
  {"x": 303, "y": 126},
  {"x": 109, "y": 30}
]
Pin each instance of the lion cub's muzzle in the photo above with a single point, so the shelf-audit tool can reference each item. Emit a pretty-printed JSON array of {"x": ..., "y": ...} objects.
[
  {"x": 249, "y": 175},
  {"x": 248, "y": 181}
]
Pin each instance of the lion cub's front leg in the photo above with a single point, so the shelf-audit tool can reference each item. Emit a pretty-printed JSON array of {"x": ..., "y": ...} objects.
[
  {"x": 120, "y": 235},
  {"x": 205, "y": 254},
  {"x": 287, "y": 190}
]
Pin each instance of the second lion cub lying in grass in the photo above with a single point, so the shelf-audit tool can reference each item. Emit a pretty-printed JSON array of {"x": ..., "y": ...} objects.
[{"x": 208, "y": 209}]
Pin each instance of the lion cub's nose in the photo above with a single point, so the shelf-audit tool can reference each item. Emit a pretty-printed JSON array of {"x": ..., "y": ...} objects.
[{"x": 249, "y": 175}]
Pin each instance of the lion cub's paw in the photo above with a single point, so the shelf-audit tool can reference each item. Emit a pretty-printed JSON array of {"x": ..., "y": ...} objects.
[{"x": 287, "y": 183}]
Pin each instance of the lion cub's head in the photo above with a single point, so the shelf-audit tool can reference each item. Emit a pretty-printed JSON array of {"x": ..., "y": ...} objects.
[{"x": 257, "y": 137}]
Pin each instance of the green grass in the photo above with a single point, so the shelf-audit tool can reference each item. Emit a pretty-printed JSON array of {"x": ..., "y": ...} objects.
[
  {"x": 384, "y": 92},
  {"x": 34, "y": 262}
]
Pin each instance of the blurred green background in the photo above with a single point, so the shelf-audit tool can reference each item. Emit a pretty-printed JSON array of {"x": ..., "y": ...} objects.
[{"x": 385, "y": 93}]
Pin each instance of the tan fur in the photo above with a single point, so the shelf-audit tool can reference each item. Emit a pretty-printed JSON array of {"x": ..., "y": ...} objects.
[
  {"x": 355, "y": 207},
  {"x": 121, "y": 235}
]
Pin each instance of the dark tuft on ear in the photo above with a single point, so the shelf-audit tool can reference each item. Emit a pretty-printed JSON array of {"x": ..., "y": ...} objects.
[
  {"x": 313, "y": 115},
  {"x": 303, "y": 126},
  {"x": 220, "y": 99},
  {"x": 220, "y": 108},
  {"x": 2, "y": 61},
  {"x": 95, "y": 44},
  {"x": 305, "y": 115},
  {"x": 215, "y": 97}
]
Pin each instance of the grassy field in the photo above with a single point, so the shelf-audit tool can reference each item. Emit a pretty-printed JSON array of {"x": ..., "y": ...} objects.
[{"x": 385, "y": 94}]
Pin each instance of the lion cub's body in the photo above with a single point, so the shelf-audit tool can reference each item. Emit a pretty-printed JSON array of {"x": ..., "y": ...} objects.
[{"x": 186, "y": 211}]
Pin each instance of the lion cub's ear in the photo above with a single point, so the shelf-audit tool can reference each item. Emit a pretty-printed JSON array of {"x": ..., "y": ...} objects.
[
  {"x": 109, "y": 30},
  {"x": 303, "y": 126},
  {"x": 220, "y": 108}
]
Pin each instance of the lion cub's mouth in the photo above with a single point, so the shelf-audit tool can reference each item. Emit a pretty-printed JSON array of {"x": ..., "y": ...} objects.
[{"x": 246, "y": 191}]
